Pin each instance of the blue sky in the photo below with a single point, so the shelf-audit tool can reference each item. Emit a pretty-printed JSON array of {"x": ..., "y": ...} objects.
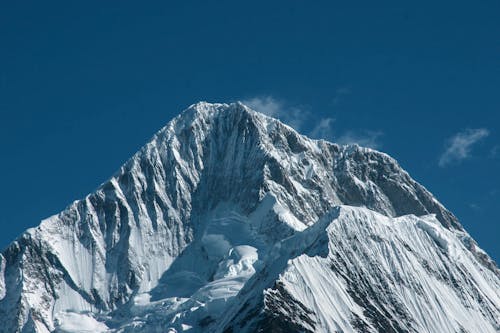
[{"x": 84, "y": 85}]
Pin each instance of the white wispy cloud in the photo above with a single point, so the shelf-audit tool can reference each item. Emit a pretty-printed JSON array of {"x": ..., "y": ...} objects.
[
  {"x": 495, "y": 151},
  {"x": 323, "y": 129},
  {"x": 268, "y": 105},
  {"x": 320, "y": 128},
  {"x": 365, "y": 138},
  {"x": 475, "y": 206},
  {"x": 340, "y": 93},
  {"x": 459, "y": 146}
]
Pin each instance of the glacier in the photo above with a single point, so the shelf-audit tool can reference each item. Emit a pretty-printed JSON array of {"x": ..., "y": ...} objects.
[{"x": 230, "y": 221}]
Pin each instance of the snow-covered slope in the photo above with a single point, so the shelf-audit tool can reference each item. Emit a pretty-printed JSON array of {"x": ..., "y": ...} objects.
[
  {"x": 228, "y": 220},
  {"x": 359, "y": 271}
]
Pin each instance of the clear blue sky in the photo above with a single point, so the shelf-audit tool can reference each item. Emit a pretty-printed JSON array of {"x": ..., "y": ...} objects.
[{"x": 84, "y": 84}]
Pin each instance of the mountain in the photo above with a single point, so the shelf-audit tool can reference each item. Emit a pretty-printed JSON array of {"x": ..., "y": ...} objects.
[{"x": 230, "y": 221}]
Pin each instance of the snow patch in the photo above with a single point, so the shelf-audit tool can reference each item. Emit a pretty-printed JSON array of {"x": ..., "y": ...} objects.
[
  {"x": 71, "y": 322},
  {"x": 436, "y": 232},
  {"x": 287, "y": 217},
  {"x": 2, "y": 277}
]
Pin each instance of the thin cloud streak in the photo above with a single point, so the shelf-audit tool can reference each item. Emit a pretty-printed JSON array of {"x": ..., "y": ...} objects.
[
  {"x": 266, "y": 105},
  {"x": 459, "y": 146},
  {"x": 495, "y": 152},
  {"x": 367, "y": 138},
  {"x": 340, "y": 93},
  {"x": 270, "y": 106},
  {"x": 322, "y": 128}
]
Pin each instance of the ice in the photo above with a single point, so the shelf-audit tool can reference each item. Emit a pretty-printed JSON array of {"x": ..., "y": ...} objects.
[
  {"x": 367, "y": 252},
  {"x": 70, "y": 322},
  {"x": 433, "y": 230},
  {"x": 239, "y": 262},
  {"x": 2, "y": 277}
]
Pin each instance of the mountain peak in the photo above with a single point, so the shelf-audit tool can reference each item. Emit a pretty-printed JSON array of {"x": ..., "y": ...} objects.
[{"x": 206, "y": 110}]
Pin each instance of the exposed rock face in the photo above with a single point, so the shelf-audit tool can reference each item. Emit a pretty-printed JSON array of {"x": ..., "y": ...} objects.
[{"x": 228, "y": 220}]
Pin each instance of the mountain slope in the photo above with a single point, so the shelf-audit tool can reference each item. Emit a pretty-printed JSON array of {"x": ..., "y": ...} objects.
[
  {"x": 358, "y": 270},
  {"x": 189, "y": 227}
]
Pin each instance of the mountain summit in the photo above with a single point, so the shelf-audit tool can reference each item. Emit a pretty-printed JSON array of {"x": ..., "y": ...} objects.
[{"x": 230, "y": 221}]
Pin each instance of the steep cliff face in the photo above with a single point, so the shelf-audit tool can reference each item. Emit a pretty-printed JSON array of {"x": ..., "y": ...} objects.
[
  {"x": 359, "y": 271},
  {"x": 184, "y": 237}
]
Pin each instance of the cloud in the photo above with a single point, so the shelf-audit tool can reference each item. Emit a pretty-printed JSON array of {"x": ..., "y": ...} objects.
[
  {"x": 268, "y": 105},
  {"x": 323, "y": 129},
  {"x": 365, "y": 138},
  {"x": 292, "y": 115},
  {"x": 459, "y": 146},
  {"x": 340, "y": 93},
  {"x": 495, "y": 151},
  {"x": 475, "y": 207}
]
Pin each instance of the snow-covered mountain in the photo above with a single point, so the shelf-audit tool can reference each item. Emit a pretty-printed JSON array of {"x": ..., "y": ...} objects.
[{"x": 230, "y": 221}]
